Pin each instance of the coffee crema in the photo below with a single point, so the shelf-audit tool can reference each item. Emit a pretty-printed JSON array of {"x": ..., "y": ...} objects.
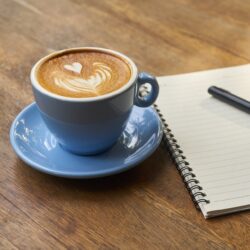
[{"x": 83, "y": 73}]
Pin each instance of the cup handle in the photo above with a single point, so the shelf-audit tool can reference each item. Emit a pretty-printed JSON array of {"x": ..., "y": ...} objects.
[{"x": 149, "y": 99}]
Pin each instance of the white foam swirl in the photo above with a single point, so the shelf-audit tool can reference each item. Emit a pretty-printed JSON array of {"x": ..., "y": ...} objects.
[{"x": 101, "y": 74}]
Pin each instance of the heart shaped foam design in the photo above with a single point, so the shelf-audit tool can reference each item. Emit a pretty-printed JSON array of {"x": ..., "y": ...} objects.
[
  {"x": 101, "y": 74},
  {"x": 75, "y": 67}
]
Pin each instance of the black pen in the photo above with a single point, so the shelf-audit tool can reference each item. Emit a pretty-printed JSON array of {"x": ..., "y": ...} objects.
[{"x": 230, "y": 98}]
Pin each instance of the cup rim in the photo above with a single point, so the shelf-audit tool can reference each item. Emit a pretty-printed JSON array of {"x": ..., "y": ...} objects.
[{"x": 37, "y": 86}]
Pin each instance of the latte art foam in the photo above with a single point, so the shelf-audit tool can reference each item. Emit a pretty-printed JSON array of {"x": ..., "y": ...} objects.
[
  {"x": 102, "y": 73},
  {"x": 84, "y": 74}
]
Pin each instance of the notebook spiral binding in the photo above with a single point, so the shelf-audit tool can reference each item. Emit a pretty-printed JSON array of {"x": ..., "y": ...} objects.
[{"x": 183, "y": 167}]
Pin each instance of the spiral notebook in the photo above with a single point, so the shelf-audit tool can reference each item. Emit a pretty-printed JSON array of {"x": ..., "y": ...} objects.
[{"x": 208, "y": 139}]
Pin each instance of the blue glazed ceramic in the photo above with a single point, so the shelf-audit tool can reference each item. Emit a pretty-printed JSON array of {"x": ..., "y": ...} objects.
[
  {"x": 38, "y": 147},
  {"x": 91, "y": 125}
]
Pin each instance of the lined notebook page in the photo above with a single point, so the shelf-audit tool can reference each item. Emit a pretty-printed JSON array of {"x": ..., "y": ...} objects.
[{"x": 214, "y": 136}]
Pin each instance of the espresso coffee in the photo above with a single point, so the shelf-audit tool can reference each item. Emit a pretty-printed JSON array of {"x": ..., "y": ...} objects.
[{"x": 83, "y": 73}]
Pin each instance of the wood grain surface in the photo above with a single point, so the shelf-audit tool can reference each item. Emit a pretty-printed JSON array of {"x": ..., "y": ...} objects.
[{"x": 147, "y": 207}]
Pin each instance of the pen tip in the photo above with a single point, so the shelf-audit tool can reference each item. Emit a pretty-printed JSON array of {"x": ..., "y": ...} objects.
[{"x": 210, "y": 89}]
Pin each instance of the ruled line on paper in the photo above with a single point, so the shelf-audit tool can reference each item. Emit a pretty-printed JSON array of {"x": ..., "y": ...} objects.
[
  {"x": 233, "y": 198},
  {"x": 227, "y": 192},
  {"x": 232, "y": 184}
]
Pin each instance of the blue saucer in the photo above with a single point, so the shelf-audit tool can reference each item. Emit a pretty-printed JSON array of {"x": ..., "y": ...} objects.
[{"x": 36, "y": 146}]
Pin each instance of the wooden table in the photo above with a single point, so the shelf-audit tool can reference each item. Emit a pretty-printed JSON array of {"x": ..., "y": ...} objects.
[{"x": 147, "y": 207}]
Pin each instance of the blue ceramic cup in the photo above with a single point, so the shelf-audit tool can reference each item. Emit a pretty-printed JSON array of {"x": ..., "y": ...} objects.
[{"x": 91, "y": 125}]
